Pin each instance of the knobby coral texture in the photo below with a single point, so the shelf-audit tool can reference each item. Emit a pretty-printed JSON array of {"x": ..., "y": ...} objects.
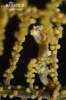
[{"x": 30, "y": 36}]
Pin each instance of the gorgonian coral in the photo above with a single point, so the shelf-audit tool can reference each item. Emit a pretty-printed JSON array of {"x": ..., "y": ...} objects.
[{"x": 46, "y": 35}]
